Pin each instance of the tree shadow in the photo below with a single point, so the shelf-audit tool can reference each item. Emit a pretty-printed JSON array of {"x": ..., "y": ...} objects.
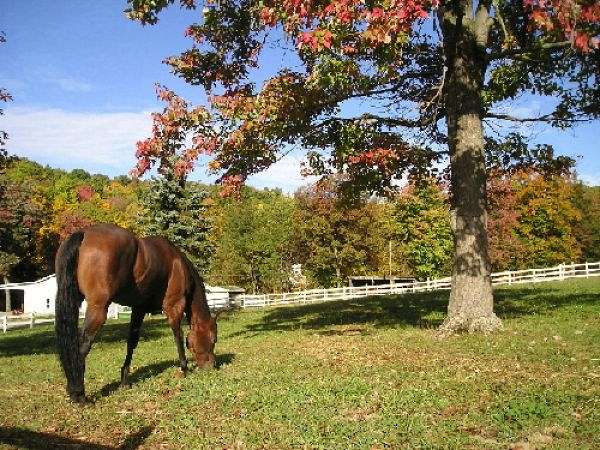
[
  {"x": 422, "y": 310},
  {"x": 29, "y": 439},
  {"x": 42, "y": 340},
  {"x": 514, "y": 302}
]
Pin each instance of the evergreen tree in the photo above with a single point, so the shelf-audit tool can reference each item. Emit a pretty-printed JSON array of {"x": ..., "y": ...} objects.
[{"x": 177, "y": 211}]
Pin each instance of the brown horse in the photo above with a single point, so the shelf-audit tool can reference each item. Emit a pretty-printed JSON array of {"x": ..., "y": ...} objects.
[{"x": 105, "y": 263}]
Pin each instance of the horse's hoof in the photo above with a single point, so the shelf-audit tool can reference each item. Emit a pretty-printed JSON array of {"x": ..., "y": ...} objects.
[{"x": 78, "y": 399}]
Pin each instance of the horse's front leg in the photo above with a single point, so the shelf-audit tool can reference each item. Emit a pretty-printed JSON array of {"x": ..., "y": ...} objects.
[
  {"x": 174, "y": 317},
  {"x": 135, "y": 326}
]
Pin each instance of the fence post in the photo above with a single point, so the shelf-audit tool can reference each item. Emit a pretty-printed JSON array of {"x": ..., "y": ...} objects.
[
  {"x": 509, "y": 277},
  {"x": 32, "y": 320},
  {"x": 561, "y": 271},
  {"x": 587, "y": 270},
  {"x": 324, "y": 294},
  {"x": 5, "y": 323}
]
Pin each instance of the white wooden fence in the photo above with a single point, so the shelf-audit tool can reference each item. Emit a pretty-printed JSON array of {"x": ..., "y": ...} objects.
[
  {"x": 29, "y": 320},
  {"x": 560, "y": 272}
]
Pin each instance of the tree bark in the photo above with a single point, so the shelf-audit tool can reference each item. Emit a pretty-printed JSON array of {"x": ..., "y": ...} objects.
[{"x": 465, "y": 38}]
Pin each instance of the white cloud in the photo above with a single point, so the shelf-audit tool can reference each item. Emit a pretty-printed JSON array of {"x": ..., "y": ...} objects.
[
  {"x": 97, "y": 142},
  {"x": 105, "y": 143},
  {"x": 284, "y": 174},
  {"x": 591, "y": 179},
  {"x": 70, "y": 84}
]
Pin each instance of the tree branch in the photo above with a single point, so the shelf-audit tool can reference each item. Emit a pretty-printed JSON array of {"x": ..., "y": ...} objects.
[
  {"x": 512, "y": 52},
  {"x": 544, "y": 118},
  {"x": 371, "y": 119},
  {"x": 500, "y": 20}
]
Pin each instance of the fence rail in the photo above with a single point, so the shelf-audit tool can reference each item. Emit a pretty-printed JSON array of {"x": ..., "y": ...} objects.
[
  {"x": 29, "y": 320},
  {"x": 561, "y": 272}
]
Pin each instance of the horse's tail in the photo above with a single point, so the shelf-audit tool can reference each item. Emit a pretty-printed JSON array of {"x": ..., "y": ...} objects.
[{"x": 68, "y": 301}]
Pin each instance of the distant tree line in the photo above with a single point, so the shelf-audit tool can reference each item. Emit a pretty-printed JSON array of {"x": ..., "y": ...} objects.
[{"x": 536, "y": 219}]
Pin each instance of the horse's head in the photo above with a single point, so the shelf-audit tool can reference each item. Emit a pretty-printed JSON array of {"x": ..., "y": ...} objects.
[{"x": 201, "y": 342}]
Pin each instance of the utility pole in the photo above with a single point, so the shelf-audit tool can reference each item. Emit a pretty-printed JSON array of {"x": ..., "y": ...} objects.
[
  {"x": 7, "y": 305},
  {"x": 390, "y": 257}
]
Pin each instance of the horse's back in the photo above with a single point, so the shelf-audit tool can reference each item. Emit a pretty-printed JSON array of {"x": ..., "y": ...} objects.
[
  {"x": 162, "y": 258},
  {"x": 106, "y": 259}
]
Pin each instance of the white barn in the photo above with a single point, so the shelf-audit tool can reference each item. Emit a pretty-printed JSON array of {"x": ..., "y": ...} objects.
[{"x": 39, "y": 296}]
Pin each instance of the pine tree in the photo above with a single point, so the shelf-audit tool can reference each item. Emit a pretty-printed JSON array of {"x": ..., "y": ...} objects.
[{"x": 176, "y": 210}]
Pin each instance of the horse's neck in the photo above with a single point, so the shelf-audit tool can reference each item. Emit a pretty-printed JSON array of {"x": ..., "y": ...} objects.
[{"x": 199, "y": 307}]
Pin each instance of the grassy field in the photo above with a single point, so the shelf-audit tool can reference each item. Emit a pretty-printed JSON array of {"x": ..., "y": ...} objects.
[{"x": 365, "y": 374}]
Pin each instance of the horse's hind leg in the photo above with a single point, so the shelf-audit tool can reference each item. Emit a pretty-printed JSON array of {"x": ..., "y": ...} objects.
[
  {"x": 135, "y": 325},
  {"x": 95, "y": 316}
]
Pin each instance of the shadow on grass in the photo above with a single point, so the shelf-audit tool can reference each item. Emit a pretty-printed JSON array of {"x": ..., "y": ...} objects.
[
  {"x": 29, "y": 439},
  {"x": 532, "y": 300},
  {"x": 135, "y": 377},
  {"x": 152, "y": 370},
  {"x": 422, "y": 310},
  {"x": 224, "y": 359},
  {"x": 41, "y": 341},
  {"x": 425, "y": 310}
]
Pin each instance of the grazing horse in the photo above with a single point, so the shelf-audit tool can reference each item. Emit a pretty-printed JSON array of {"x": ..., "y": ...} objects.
[{"x": 105, "y": 263}]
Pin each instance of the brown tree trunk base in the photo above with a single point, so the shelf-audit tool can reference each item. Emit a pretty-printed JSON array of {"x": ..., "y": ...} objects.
[{"x": 478, "y": 324}]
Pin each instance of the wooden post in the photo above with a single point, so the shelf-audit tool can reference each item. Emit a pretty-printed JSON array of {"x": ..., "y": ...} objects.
[
  {"x": 5, "y": 323},
  {"x": 32, "y": 320},
  {"x": 561, "y": 271},
  {"x": 587, "y": 270},
  {"x": 509, "y": 278}
]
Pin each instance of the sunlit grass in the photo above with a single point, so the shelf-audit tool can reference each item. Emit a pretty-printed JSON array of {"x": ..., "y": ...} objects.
[{"x": 368, "y": 374}]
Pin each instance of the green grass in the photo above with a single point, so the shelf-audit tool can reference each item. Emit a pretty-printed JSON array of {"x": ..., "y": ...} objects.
[{"x": 365, "y": 374}]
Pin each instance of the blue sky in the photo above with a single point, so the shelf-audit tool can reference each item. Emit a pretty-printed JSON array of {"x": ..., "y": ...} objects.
[{"x": 82, "y": 77}]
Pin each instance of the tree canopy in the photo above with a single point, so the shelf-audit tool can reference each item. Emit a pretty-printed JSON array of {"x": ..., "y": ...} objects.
[{"x": 430, "y": 74}]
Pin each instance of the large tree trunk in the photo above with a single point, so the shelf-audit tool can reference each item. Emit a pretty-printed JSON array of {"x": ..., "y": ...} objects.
[{"x": 471, "y": 299}]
